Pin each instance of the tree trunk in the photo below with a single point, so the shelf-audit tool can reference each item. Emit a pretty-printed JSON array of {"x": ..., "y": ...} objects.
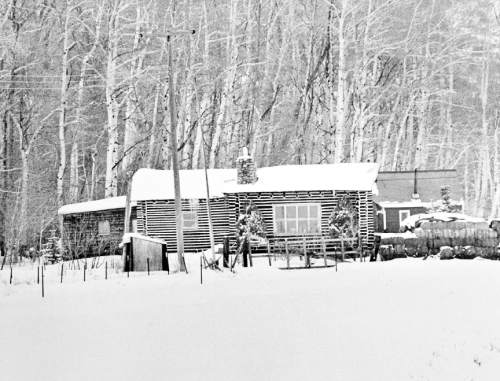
[
  {"x": 62, "y": 116},
  {"x": 342, "y": 85},
  {"x": 228, "y": 88},
  {"x": 111, "y": 180}
]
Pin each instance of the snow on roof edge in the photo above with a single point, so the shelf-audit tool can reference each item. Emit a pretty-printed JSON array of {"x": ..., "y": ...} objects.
[{"x": 95, "y": 205}]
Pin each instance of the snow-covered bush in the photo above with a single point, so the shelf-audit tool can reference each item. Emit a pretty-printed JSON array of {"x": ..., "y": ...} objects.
[
  {"x": 343, "y": 220},
  {"x": 250, "y": 225}
]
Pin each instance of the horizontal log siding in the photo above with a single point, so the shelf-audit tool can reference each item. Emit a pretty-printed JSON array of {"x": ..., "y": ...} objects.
[
  {"x": 157, "y": 219},
  {"x": 328, "y": 200},
  {"x": 81, "y": 233}
]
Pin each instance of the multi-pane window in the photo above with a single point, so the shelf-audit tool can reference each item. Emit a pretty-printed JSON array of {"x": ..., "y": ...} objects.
[
  {"x": 103, "y": 227},
  {"x": 190, "y": 216},
  {"x": 298, "y": 219}
]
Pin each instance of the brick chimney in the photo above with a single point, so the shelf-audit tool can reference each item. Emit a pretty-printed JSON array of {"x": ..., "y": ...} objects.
[{"x": 247, "y": 173}]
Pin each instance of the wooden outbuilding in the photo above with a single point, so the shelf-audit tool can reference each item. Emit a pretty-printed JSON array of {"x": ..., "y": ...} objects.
[
  {"x": 95, "y": 227},
  {"x": 407, "y": 193}
]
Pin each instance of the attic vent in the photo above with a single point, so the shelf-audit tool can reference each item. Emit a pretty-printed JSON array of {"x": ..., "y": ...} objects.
[{"x": 247, "y": 172}]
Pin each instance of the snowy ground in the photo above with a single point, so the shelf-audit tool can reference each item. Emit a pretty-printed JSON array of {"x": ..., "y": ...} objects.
[{"x": 400, "y": 320}]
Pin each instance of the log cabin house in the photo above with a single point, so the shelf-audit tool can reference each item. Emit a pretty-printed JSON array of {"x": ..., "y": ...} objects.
[
  {"x": 406, "y": 193},
  {"x": 294, "y": 201}
]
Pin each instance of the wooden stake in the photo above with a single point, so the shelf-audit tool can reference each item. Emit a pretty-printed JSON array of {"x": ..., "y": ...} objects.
[
  {"x": 306, "y": 259},
  {"x": 342, "y": 246},
  {"x": 62, "y": 271},
  {"x": 84, "y": 271},
  {"x": 336, "y": 260},
  {"x": 250, "y": 253},
  {"x": 201, "y": 271},
  {"x": 287, "y": 254},
  {"x": 147, "y": 261},
  {"x": 269, "y": 253},
  {"x": 38, "y": 275},
  {"x": 10, "y": 275},
  {"x": 43, "y": 285},
  {"x": 106, "y": 270},
  {"x": 323, "y": 247}
]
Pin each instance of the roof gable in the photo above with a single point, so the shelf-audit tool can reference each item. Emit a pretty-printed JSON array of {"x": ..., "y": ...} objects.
[{"x": 398, "y": 186}]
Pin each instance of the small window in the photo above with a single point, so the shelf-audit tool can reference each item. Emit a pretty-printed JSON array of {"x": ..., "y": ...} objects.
[
  {"x": 103, "y": 227},
  {"x": 403, "y": 215},
  {"x": 190, "y": 215},
  {"x": 189, "y": 220},
  {"x": 297, "y": 219}
]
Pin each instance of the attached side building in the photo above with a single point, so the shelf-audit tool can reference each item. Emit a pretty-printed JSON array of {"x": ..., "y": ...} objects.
[
  {"x": 95, "y": 227},
  {"x": 406, "y": 193}
]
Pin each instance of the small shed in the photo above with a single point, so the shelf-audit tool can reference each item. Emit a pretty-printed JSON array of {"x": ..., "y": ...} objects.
[
  {"x": 95, "y": 227},
  {"x": 407, "y": 193}
]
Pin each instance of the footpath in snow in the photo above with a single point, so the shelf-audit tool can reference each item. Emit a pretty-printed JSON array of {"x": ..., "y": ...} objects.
[{"x": 399, "y": 320}]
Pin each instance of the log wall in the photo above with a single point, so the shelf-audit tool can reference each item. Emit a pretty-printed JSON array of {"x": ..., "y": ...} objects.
[
  {"x": 157, "y": 219},
  {"x": 81, "y": 232},
  {"x": 362, "y": 201}
]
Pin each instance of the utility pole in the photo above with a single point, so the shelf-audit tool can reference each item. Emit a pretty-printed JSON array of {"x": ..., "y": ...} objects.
[
  {"x": 173, "y": 149},
  {"x": 210, "y": 225}
]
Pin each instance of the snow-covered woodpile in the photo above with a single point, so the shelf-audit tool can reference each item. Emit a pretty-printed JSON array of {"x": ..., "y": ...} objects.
[{"x": 450, "y": 234}]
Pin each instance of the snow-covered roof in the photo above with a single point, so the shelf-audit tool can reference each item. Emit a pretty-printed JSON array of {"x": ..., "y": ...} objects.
[
  {"x": 95, "y": 205},
  {"x": 154, "y": 184},
  {"x": 311, "y": 177},
  {"x": 414, "y": 221},
  {"x": 151, "y": 184},
  {"x": 416, "y": 204}
]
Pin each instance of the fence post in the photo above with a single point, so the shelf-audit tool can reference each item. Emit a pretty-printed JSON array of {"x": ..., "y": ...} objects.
[
  {"x": 43, "y": 285},
  {"x": 225, "y": 252},
  {"x": 323, "y": 247},
  {"x": 244, "y": 251},
  {"x": 62, "y": 271},
  {"x": 106, "y": 270},
  {"x": 269, "y": 252},
  {"x": 10, "y": 281},
  {"x": 84, "y": 271},
  {"x": 250, "y": 253},
  {"x": 342, "y": 246},
  {"x": 306, "y": 258},
  {"x": 201, "y": 270},
  {"x": 147, "y": 261},
  {"x": 38, "y": 274},
  {"x": 287, "y": 254}
]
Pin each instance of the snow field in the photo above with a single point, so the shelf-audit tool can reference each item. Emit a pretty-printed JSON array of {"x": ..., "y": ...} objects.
[{"x": 399, "y": 320}]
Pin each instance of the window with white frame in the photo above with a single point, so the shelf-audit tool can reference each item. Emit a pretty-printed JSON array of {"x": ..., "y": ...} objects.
[
  {"x": 403, "y": 215},
  {"x": 190, "y": 215},
  {"x": 103, "y": 227},
  {"x": 297, "y": 219}
]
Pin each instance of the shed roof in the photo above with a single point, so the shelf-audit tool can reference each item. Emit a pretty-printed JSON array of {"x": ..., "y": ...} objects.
[
  {"x": 94, "y": 206},
  {"x": 398, "y": 186},
  {"x": 149, "y": 184}
]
